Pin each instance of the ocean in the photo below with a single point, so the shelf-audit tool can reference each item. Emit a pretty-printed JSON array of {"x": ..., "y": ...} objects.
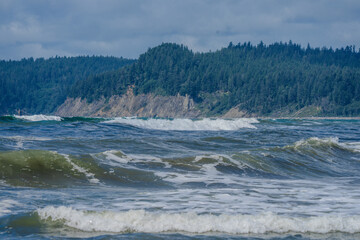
[{"x": 148, "y": 178}]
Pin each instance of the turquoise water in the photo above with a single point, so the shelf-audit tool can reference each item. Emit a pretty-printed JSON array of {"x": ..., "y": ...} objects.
[{"x": 138, "y": 178}]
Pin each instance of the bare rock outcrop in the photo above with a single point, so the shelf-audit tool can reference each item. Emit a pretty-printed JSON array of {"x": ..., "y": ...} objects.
[
  {"x": 236, "y": 113},
  {"x": 127, "y": 105}
]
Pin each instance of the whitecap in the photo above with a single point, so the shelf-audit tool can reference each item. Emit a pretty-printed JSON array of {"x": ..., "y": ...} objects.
[
  {"x": 40, "y": 117},
  {"x": 330, "y": 141},
  {"x": 178, "y": 124},
  {"x": 191, "y": 222},
  {"x": 6, "y": 205}
]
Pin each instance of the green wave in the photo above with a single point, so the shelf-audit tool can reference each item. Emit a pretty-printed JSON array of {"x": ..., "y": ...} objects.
[
  {"x": 306, "y": 158},
  {"x": 39, "y": 168},
  {"x": 314, "y": 157},
  {"x": 83, "y": 119},
  {"x": 7, "y": 118}
]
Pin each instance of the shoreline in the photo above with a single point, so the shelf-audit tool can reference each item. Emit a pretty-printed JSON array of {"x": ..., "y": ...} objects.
[
  {"x": 200, "y": 117},
  {"x": 311, "y": 118}
]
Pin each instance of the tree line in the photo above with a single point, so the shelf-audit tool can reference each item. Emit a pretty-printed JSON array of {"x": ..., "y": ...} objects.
[
  {"x": 260, "y": 79},
  {"x": 33, "y": 86}
]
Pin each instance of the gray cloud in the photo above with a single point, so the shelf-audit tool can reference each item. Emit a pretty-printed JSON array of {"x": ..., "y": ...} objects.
[{"x": 45, "y": 28}]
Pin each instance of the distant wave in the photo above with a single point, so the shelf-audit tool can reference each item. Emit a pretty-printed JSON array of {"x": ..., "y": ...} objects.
[
  {"x": 40, "y": 117},
  {"x": 177, "y": 124},
  {"x": 153, "y": 222}
]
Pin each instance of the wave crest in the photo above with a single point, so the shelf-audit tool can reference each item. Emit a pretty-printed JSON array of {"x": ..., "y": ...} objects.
[
  {"x": 37, "y": 168},
  {"x": 38, "y": 118},
  {"x": 205, "y": 124},
  {"x": 324, "y": 144},
  {"x": 143, "y": 221}
]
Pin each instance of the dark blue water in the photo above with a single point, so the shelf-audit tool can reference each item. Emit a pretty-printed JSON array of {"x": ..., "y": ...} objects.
[{"x": 129, "y": 178}]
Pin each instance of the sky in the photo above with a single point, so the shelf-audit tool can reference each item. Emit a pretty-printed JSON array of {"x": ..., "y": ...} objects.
[{"x": 127, "y": 28}]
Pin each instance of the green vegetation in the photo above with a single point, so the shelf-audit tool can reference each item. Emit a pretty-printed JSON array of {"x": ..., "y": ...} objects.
[
  {"x": 259, "y": 79},
  {"x": 263, "y": 80},
  {"x": 39, "y": 86}
]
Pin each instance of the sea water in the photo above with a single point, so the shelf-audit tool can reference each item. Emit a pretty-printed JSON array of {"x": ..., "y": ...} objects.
[{"x": 140, "y": 178}]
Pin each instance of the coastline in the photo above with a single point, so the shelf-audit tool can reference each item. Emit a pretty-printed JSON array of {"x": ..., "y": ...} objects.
[
  {"x": 54, "y": 116},
  {"x": 311, "y": 118}
]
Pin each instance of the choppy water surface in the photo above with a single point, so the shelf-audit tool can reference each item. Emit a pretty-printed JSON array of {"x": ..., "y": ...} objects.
[{"x": 131, "y": 178}]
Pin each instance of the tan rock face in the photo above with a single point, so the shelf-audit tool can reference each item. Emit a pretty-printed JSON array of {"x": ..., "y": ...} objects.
[
  {"x": 235, "y": 113},
  {"x": 129, "y": 105}
]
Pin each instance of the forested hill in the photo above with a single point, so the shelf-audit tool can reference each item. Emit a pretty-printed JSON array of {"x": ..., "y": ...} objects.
[
  {"x": 41, "y": 85},
  {"x": 275, "y": 80},
  {"x": 263, "y": 80}
]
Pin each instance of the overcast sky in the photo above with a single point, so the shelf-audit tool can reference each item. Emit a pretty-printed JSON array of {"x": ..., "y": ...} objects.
[{"x": 45, "y": 28}]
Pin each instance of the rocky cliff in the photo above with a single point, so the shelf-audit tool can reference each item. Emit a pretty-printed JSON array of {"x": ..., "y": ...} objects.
[{"x": 143, "y": 105}]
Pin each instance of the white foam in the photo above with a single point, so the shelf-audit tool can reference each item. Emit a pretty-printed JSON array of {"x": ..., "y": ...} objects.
[
  {"x": 149, "y": 158},
  {"x": 111, "y": 155},
  {"x": 6, "y": 205},
  {"x": 355, "y": 146},
  {"x": 40, "y": 117},
  {"x": 117, "y": 157},
  {"x": 90, "y": 176},
  {"x": 21, "y": 139},
  {"x": 19, "y": 143},
  {"x": 27, "y": 138},
  {"x": 205, "y": 124},
  {"x": 315, "y": 141},
  {"x": 206, "y": 173},
  {"x": 144, "y": 221}
]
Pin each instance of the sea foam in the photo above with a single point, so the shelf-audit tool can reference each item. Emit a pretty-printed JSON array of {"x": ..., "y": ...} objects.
[
  {"x": 6, "y": 205},
  {"x": 178, "y": 124},
  {"x": 143, "y": 221},
  {"x": 327, "y": 143},
  {"x": 90, "y": 176},
  {"x": 38, "y": 118}
]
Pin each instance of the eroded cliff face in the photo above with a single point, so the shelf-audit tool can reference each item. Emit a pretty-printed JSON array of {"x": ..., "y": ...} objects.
[{"x": 129, "y": 105}]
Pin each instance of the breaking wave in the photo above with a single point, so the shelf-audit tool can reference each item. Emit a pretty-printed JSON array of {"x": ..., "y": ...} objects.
[
  {"x": 316, "y": 157},
  {"x": 205, "y": 124},
  {"x": 325, "y": 143},
  {"x": 177, "y": 124},
  {"x": 153, "y": 222},
  {"x": 38, "y": 118},
  {"x": 41, "y": 117}
]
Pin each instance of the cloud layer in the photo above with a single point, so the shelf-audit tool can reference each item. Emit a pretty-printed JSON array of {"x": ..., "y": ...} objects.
[{"x": 45, "y": 28}]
